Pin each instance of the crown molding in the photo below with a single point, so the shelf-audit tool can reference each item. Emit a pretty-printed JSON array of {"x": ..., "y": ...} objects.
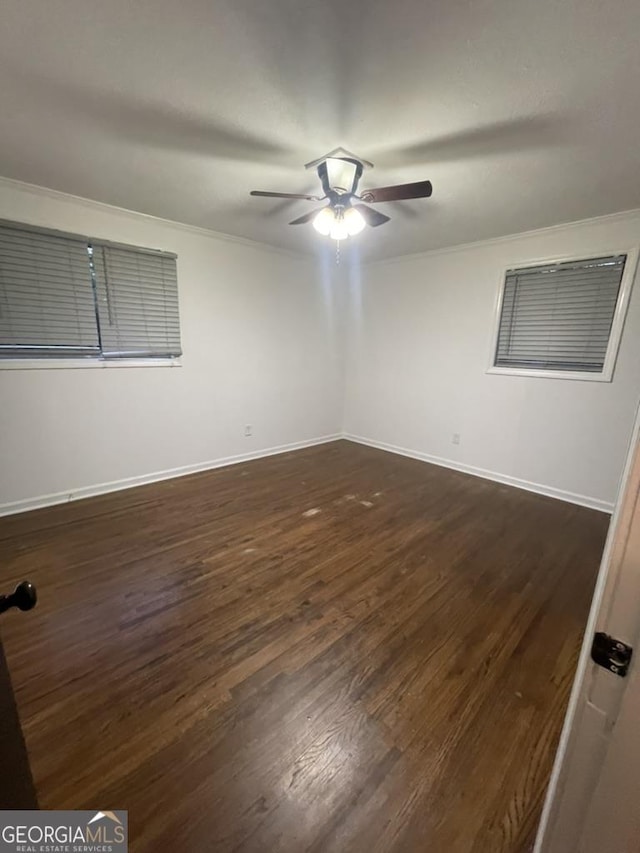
[
  {"x": 510, "y": 238},
  {"x": 36, "y": 189}
]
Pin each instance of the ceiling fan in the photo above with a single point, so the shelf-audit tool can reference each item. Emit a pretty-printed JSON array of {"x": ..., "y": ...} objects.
[{"x": 346, "y": 213}]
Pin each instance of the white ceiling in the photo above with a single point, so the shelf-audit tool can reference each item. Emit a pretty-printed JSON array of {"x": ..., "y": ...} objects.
[{"x": 523, "y": 113}]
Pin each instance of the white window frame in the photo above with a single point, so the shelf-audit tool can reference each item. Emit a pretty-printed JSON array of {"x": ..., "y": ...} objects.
[{"x": 617, "y": 325}]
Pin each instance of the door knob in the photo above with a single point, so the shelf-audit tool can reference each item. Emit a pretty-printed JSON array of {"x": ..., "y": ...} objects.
[{"x": 24, "y": 597}]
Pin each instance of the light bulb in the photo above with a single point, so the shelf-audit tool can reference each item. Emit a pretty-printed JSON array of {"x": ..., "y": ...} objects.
[
  {"x": 323, "y": 222},
  {"x": 354, "y": 221},
  {"x": 339, "y": 229}
]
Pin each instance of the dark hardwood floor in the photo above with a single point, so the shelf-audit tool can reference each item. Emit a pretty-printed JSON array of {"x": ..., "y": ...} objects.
[{"x": 337, "y": 649}]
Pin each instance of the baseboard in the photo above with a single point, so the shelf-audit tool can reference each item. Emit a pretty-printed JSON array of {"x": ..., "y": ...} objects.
[
  {"x": 130, "y": 482},
  {"x": 539, "y": 488}
]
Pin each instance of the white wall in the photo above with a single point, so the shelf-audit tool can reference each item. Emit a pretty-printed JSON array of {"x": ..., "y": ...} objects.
[
  {"x": 260, "y": 347},
  {"x": 263, "y": 334},
  {"x": 419, "y": 344}
]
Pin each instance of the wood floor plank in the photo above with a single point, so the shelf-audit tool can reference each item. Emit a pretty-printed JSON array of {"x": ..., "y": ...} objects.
[{"x": 337, "y": 649}]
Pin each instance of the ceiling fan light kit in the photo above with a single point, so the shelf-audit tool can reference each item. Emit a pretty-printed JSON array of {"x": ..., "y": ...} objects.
[
  {"x": 323, "y": 221},
  {"x": 345, "y": 215},
  {"x": 339, "y": 223},
  {"x": 354, "y": 221}
]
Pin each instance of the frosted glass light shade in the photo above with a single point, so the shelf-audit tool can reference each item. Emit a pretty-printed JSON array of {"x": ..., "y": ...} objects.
[
  {"x": 354, "y": 221},
  {"x": 338, "y": 224},
  {"x": 339, "y": 229},
  {"x": 323, "y": 222}
]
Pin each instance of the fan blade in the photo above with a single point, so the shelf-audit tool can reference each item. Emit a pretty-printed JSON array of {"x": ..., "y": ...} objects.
[
  {"x": 419, "y": 189},
  {"x": 307, "y": 217},
  {"x": 263, "y": 194},
  {"x": 371, "y": 217}
]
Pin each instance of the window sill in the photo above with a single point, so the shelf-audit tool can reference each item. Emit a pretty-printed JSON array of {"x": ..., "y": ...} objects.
[
  {"x": 78, "y": 363},
  {"x": 579, "y": 376}
]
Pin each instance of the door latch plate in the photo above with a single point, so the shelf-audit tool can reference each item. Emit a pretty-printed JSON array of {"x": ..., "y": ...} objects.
[{"x": 611, "y": 654}]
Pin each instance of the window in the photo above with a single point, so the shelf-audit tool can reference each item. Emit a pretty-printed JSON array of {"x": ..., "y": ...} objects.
[
  {"x": 563, "y": 319},
  {"x": 137, "y": 298},
  {"x": 63, "y": 295}
]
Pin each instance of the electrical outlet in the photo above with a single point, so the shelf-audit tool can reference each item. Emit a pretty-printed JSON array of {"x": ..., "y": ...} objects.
[
  {"x": 455, "y": 439},
  {"x": 248, "y": 430}
]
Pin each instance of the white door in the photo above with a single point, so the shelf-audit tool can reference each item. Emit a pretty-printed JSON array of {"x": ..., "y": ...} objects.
[
  {"x": 593, "y": 802},
  {"x": 613, "y": 819}
]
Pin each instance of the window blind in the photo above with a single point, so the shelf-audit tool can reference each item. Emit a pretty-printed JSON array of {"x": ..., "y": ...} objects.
[
  {"x": 137, "y": 297},
  {"x": 559, "y": 316},
  {"x": 47, "y": 305}
]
